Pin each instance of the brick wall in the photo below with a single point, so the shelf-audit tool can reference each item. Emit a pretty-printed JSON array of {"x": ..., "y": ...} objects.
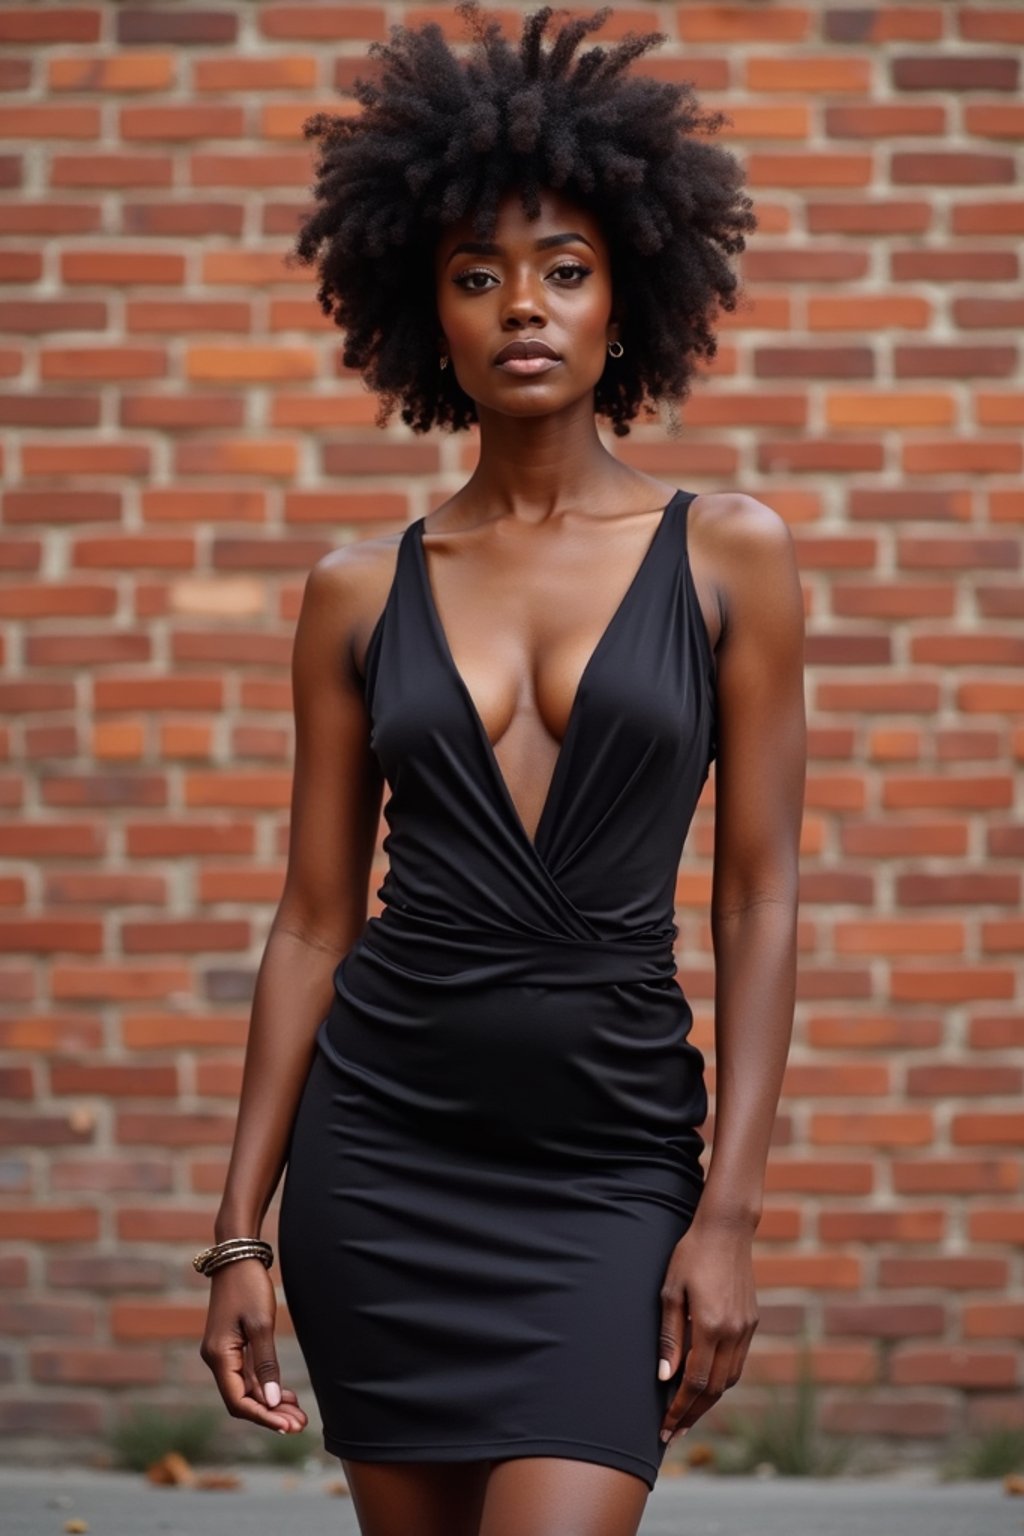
[{"x": 180, "y": 443}]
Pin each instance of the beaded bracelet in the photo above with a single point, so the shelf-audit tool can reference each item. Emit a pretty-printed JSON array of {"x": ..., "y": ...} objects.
[{"x": 229, "y": 1250}]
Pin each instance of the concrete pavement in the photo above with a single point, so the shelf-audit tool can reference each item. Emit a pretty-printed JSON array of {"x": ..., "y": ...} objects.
[{"x": 40, "y": 1501}]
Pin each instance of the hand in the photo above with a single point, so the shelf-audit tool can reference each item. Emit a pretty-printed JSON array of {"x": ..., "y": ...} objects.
[
  {"x": 238, "y": 1346},
  {"x": 708, "y": 1318}
]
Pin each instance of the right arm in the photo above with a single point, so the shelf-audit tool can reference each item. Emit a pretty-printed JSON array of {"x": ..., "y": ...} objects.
[
  {"x": 337, "y": 788},
  {"x": 335, "y": 812}
]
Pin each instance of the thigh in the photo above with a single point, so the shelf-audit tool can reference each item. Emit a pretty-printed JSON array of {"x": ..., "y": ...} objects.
[
  {"x": 428, "y": 1498},
  {"x": 557, "y": 1496}
]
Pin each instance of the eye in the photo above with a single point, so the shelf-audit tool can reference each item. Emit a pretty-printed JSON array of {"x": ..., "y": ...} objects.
[
  {"x": 464, "y": 279},
  {"x": 572, "y": 270}
]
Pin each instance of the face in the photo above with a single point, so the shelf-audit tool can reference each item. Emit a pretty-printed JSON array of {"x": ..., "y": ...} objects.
[{"x": 526, "y": 318}]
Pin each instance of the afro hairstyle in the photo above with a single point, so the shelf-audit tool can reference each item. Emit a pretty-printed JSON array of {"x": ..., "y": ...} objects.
[{"x": 443, "y": 136}]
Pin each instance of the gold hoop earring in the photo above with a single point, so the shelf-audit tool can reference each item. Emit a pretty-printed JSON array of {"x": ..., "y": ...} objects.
[
  {"x": 615, "y": 349},
  {"x": 444, "y": 360}
]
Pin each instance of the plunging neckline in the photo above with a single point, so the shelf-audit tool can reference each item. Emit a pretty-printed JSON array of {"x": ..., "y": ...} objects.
[{"x": 564, "y": 746}]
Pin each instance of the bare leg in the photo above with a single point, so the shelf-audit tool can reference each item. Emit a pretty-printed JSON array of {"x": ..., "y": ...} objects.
[
  {"x": 556, "y": 1496},
  {"x": 417, "y": 1498}
]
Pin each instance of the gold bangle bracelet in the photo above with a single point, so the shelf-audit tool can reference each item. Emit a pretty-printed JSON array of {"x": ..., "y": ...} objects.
[{"x": 230, "y": 1249}]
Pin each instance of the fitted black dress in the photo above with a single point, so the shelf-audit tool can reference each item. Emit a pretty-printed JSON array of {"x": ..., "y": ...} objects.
[{"x": 496, "y": 1149}]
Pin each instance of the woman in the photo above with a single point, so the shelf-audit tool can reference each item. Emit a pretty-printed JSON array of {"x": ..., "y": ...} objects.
[{"x": 509, "y": 1276}]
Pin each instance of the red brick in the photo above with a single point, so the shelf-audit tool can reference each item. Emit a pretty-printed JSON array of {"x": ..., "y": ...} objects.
[
  {"x": 872, "y": 1128},
  {"x": 993, "y": 1320},
  {"x": 156, "y": 24},
  {"x": 113, "y": 1080},
  {"x": 1002, "y": 217},
  {"x": 173, "y": 1130},
  {"x": 56, "y": 1224},
  {"x": 156, "y": 1320},
  {"x": 902, "y": 1417},
  {"x": 931, "y": 1365},
  {"x": 872, "y": 1031},
  {"x": 819, "y": 1176},
  {"x": 51, "y": 1416},
  {"x": 949, "y": 168},
  {"x": 898, "y": 936},
  {"x": 850, "y": 1079},
  {"x": 954, "y": 1273},
  {"x": 111, "y": 72},
  {"x": 878, "y": 120},
  {"x": 827, "y": 1363},
  {"x": 952, "y": 1080},
  {"x": 958, "y": 265},
  {"x": 175, "y": 123},
  {"x": 869, "y": 312},
  {"x": 827, "y": 1271},
  {"x": 895, "y": 839},
  {"x": 965, "y": 886},
  {"x": 958, "y": 71},
  {"x": 50, "y": 121},
  {"x": 875, "y": 1226},
  {"x": 94, "y": 1367},
  {"x": 996, "y": 1224},
  {"x": 903, "y": 216},
  {"x": 992, "y": 1129},
  {"x": 950, "y": 985},
  {"x": 955, "y": 1176},
  {"x": 885, "y": 1319},
  {"x": 322, "y": 23},
  {"x": 896, "y": 600},
  {"x": 44, "y": 1318},
  {"x": 996, "y": 1032},
  {"x": 882, "y": 24},
  {"x": 977, "y": 791}
]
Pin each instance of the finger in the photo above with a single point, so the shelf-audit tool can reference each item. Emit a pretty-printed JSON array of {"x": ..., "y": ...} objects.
[
  {"x": 717, "y": 1384},
  {"x": 697, "y": 1369},
  {"x": 229, "y": 1373},
  {"x": 287, "y": 1408},
  {"x": 290, "y": 1405},
  {"x": 265, "y": 1368},
  {"x": 671, "y": 1336}
]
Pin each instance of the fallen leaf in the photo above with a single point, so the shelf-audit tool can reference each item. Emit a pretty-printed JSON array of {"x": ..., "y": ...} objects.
[
  {"x": 226, "y": 1480},
  {"x": 339, "y": 1487},
  {"x": 171, "y": 1470},
  {"x": 1013, "y": 1482},
  {"x": 76, "y": 1525}
]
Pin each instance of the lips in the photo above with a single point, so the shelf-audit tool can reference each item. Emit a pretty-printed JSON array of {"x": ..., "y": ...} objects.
[{"x": 532, "y": 348}]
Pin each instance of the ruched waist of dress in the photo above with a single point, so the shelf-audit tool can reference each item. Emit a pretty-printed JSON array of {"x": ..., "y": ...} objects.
[{"x": 436, "y": 954}]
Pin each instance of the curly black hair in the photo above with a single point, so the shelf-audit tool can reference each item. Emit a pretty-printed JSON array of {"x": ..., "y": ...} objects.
[{"x": 442, "y": 136}]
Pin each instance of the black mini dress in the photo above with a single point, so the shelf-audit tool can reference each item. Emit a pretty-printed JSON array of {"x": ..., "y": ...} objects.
[{"x": 497, "y": 1145}]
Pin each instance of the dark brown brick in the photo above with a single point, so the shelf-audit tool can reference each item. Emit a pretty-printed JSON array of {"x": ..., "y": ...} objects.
[
  {"x": 954, "y": 362},
  {"x": 951, "y": 169},
  {"x": 849, "y": 363},
  {"x": 956, "y": 72},
  {"x": 138, "y": 24}
]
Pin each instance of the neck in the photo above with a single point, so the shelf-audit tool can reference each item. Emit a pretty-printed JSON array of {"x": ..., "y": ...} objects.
[{"x": 535, "y": 467}]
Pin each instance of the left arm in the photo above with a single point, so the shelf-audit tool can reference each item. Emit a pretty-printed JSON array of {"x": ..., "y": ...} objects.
[{"x": 759, "y": 788}]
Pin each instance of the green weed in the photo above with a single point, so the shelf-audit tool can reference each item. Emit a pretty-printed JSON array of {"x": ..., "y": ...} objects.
[
  {"x": 146, "y": 1433},
  {"x": 994, "y": 1454}
]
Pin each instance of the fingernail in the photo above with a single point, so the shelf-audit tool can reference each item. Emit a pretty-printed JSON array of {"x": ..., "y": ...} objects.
[
  {"x": 666, "y": 1435},
  {"x": 664, "y": 1369},
  {"x": 272, "y": 1393}
]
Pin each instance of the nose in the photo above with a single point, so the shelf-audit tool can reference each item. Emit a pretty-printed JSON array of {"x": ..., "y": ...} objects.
[{"x": 522, "y": 301}]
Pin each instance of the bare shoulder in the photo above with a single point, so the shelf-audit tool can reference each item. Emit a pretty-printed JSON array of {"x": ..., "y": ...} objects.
[
  {"x": 346, "y": 590},
  {"x": 739, "y": 528}
]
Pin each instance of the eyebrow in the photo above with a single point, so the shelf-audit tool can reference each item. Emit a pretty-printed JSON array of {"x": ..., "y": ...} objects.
[{"x": 487, "y": 248}]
